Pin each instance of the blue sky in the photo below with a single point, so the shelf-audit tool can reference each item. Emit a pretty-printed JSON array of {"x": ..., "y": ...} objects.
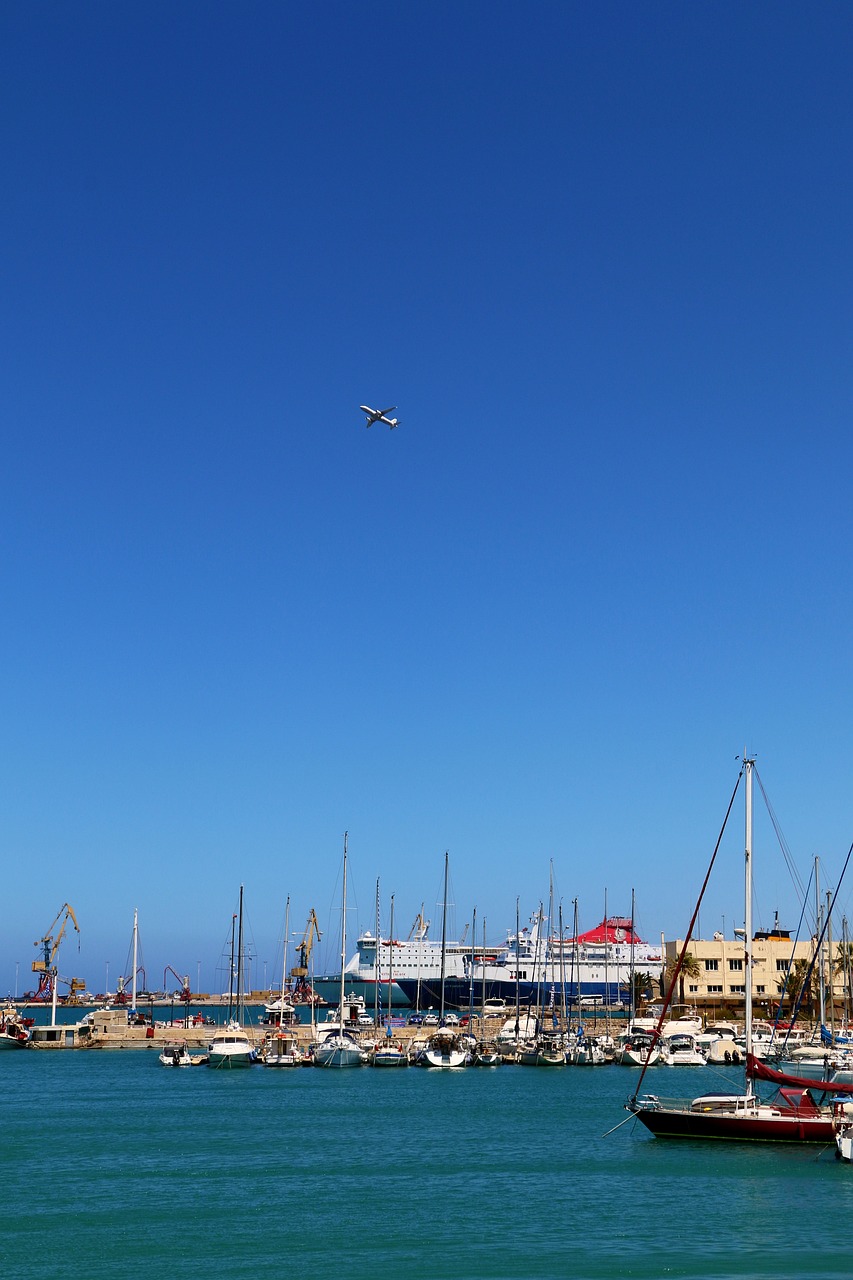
[{"x": 600, "y": 259}]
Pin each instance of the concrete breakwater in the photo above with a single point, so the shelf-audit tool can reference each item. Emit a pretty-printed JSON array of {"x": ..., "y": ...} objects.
[{"x": 109, "y": 1029}]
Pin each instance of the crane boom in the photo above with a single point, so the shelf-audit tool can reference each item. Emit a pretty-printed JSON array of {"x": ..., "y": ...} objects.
[
  {"x": 305, "y": 947},
  {"x": 45, "y": 966}
]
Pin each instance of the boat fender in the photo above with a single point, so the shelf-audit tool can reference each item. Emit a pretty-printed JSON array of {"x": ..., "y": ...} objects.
[
  {"x": 727, "y": 1056},
  {"x": 735, "y": 1055}
]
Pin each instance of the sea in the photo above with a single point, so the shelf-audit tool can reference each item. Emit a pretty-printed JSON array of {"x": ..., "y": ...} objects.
[{"x": 116, "y": 1167}]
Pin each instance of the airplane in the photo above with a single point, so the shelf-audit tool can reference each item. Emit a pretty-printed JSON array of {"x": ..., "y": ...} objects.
[{"x": 379, "y": 415}]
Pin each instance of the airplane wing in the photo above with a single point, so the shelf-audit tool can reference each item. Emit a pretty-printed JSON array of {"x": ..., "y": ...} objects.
[
  {"x": 365, "y": 408},
  {"x": 390, "y": 410}
]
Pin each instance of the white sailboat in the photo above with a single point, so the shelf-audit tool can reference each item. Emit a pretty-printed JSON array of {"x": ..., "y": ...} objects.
[
  {"x": 443, "y": 1049},
  {"x": 338, "y": 1048},
  {"x": 231, "y": 1047},
  {"x": 389, "y": 1054}
]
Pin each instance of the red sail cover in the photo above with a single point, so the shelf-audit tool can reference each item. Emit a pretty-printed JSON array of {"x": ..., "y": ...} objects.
[{"x": 759, "y": 1070}]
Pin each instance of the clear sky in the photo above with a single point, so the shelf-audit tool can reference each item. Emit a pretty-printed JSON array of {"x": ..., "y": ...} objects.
[{"x": 600, "y": 258}]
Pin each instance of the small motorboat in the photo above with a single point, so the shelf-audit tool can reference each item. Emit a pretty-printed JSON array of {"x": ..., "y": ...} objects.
[{"x": 176, "y": 1055}]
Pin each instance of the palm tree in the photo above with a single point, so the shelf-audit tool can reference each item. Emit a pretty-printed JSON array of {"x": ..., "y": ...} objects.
[
  {"x": 690, "y": 968},
  {"x": 799, "y": 986}
]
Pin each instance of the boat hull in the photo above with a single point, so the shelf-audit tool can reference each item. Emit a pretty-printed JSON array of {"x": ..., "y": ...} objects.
[{"x": 737, "y": 1126}]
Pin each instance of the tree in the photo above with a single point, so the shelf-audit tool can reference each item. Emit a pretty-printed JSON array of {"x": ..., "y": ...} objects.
[
  {"x": 643, "y": 984},
  {"x": 690, "y": 968},
  {"x": 799, "y": 986}
]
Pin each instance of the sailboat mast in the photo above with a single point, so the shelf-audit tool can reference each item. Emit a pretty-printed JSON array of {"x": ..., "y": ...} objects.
[
  {"x": 747, "y": 948},
  {"x": 376, "y": 966},
  {"x": 576, "y": 976},
  {"x": 829, "y": 963},
  {"x": 631, "y": 996},
  {"x": 284, "y": 961},
  {"x": 240, "y": 962},
  {"x": 473, "y": 955},
  {"x": 443, "y": 936},
  {"x": 606, "y": 969},
  {"x": 819, "y": 935},
  {"x": 517, "y": 975},
  {"x": 231, "y": 973},
  {"x": 343, "y": 929},
  {"x": 563, "y": 972},
  {"x": 483, "y": 1009},
  {"x": 390, "y": 962},
  {"x": 135, "y": 958}
]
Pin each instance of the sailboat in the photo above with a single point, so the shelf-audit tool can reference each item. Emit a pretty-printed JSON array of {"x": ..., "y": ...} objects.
[
  {"x": 281, "y": 1046},
  {"x": 389, "y": 1054},
  {"x": 338, "y": 1048},
  {"x": 231, "y": 1046},
  {"x": 795, "y": 1114},
  {"x": 443, "y": 1049}
]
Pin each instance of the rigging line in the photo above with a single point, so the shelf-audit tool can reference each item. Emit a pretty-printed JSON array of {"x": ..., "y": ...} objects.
[
  {"x": 677, "y": 970},
  {"x": 819, "y": 942},
  {"x": 783, "y": 843},
  {"x": 788, "y": 971}
]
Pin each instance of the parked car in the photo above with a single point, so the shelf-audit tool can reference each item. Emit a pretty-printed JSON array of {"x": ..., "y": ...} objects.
[
  {"x": 415, "y": 1019},
  {"x": 451, "y": 1020},
  {"x": 430, "y": 1020},
  {"x": 365, "y": 1020}
]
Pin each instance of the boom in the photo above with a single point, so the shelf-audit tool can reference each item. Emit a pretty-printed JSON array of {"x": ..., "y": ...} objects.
[{"x": 45, "y": 967}]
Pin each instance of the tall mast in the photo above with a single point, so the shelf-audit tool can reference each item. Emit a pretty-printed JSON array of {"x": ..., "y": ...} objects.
[
  {"x": 483, "y": 1009},
  {"x": 819, "y": 936},
  {"x": 343, "y": 929},
  {"x": 576, "y": 974},
  {"x": 747, "y": 948},
  {"x": 632, "y": 1001},
  {"x": 829, "y": 962},
  {"x": 377, "y": 972},
  {"x": 473, "y": 955},
  {"x": 420, "y": 935},
  {"x": 517, "y": 975},
  {"x": 563, "y": 971},
  {"x": 443, "y": 935},
  {"x": 135, "y": 957},
  {"x": 231, "y": 974},
  {"x": 606, "y": 969},
  {"x": 240, "y": 962},
  {"x": 284, "y": 961},
  {"x": 390, "y": 962}
]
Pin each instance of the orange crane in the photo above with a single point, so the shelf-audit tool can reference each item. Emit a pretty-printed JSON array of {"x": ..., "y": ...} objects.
[
  {"x": 305, "y": 947},
  {"x": 45, "y": 967}
]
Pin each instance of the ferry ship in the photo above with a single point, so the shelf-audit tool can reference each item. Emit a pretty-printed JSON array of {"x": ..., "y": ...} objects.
[
  {"x": 594, "y": 968},
  {"x": 537, "y": 967},
  {"x": 415, "y": 970}
]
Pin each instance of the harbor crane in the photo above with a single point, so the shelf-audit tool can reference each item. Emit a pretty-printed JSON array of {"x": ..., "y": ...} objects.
[
  {"x": 186, "y": 994},
  {"x": 46, "y": 966},
  {"x": 420, "y": 928},
  {"x": 305, "y": 947}
]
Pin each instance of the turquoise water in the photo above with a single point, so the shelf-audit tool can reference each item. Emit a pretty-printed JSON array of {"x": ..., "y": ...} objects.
[{"x": 115, "y": 1167}]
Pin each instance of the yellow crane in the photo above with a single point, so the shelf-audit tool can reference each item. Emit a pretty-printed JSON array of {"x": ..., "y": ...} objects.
[
  {"x": 45, "y": 966},
  {"x": 305, "y": 947}
]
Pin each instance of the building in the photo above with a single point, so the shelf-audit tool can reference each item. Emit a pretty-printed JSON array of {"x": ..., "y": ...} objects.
[{"x": 718, "y": 979}]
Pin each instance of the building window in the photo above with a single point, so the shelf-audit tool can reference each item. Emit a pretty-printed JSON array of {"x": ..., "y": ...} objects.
[
  {"x": 713, "y": 991},
  {"x": 782, "y": 966},
  {"x": 711, "y": 966},
  {"x": 692, "y": 988},
  {"x": 738, "y": 990},
  {"x": 736, "y": 966},
  {"x": 759, "y": 991}
]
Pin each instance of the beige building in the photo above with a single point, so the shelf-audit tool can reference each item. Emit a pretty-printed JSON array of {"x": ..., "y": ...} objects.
[{"x": 720, "y": 982}]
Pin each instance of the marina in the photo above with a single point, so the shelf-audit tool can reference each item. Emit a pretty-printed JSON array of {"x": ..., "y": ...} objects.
[{"x": 156, "y": 1163}]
